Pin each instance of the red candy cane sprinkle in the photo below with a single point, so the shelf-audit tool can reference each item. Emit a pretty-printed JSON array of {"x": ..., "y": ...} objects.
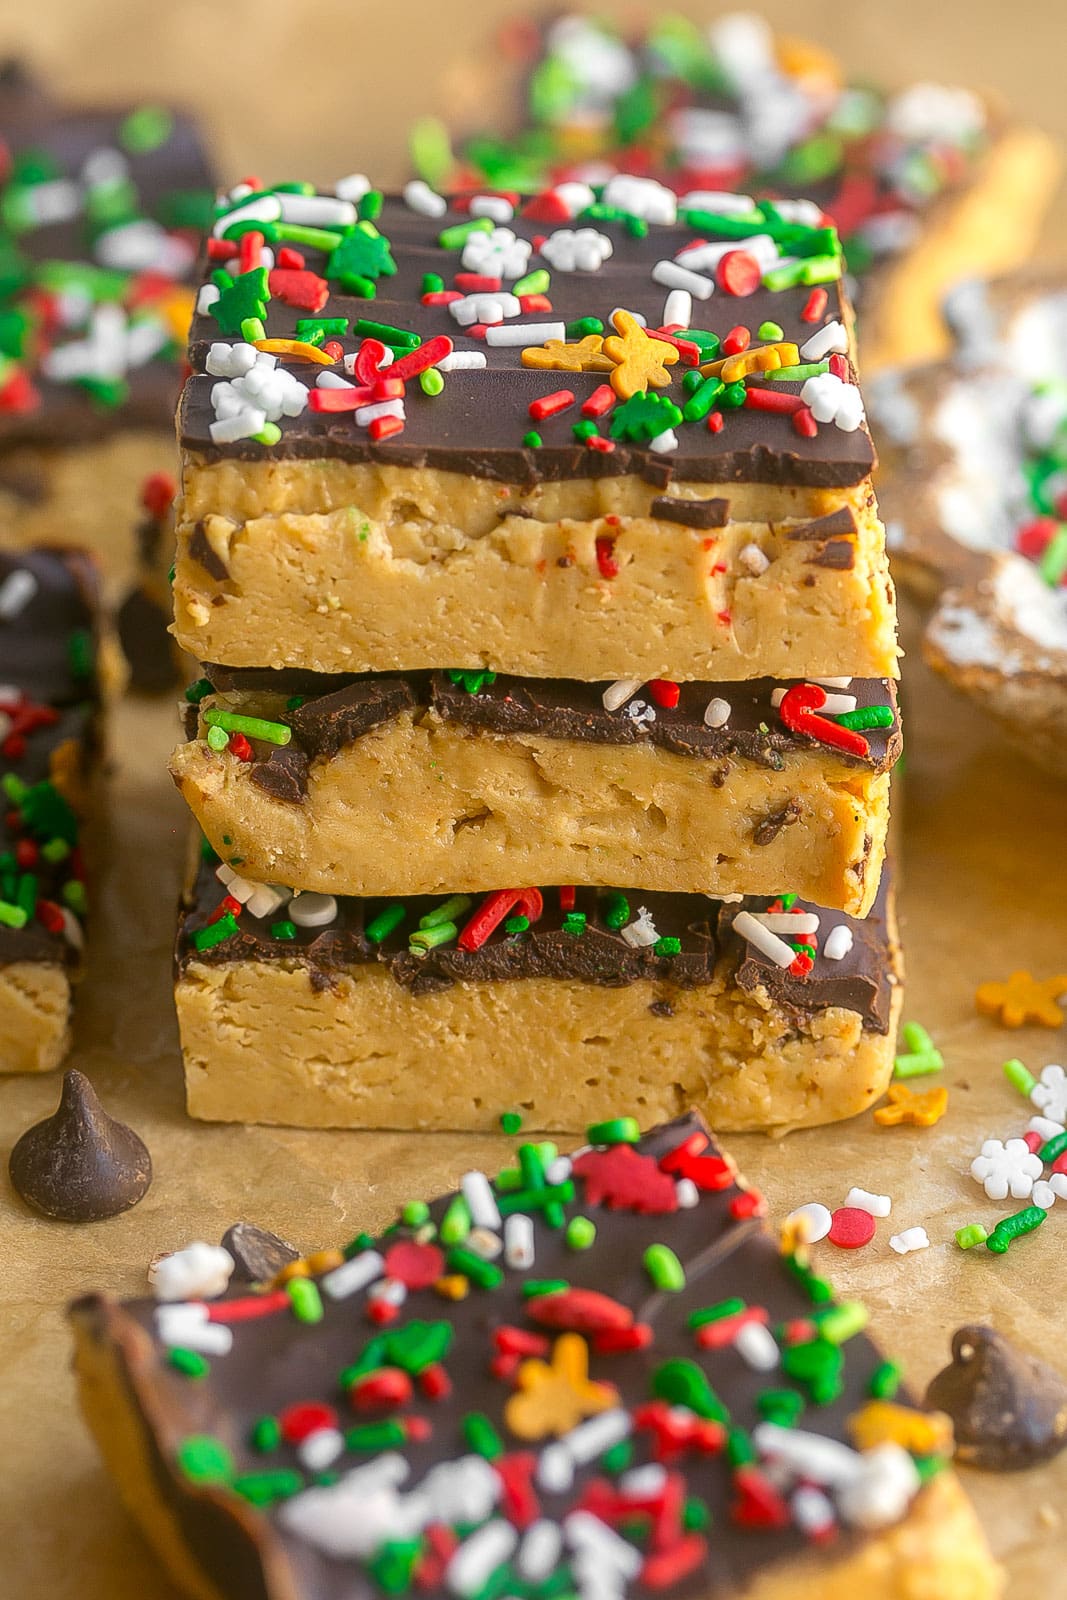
[{"x": 799, "y": 711}]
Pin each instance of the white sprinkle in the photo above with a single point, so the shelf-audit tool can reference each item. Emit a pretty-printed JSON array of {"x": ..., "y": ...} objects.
[
  {"x": 678, "y": 309},
  {"x": 912, "y": 1239},
  {"x": 831, "y": 340},
  {"x": 1042, "y": 1194},
  {"x": 418, "y": 196},
  {"x": 664, "y": 442},
  {"x": 752, "y": 559},
  {"x": 318, "y": 211},
  {"x": 493, "y": 206},
  {"x": 481, "y": 1201},
  {"x": 838, "y": 943},
  {"x": 243, "y": 424},
  {"x": 488, "y": 307},
  {"x": 671, "y": 275},
  {"x": 559, "y": 1171},
  {"x": 815, "y": 1219},
  {"x": 479, "y": 1557},
  {"x": 311, "y": 910},
  {"x": 540, "y": 1551},
  {"x": 812, "y": 1511},
  {"x": 642, "y": 197},
  {"x": 686, "y": 1193},
  {"x": 389, "y": 1291},
  {"x": 876, "y": 1205},
  {"x": 642, "y": 322},
  {"x": 353, "y": 1275},
  {"x": 484, "y": 1243},
  {"x": 617, "y": 693},
  {"x": 188, "y": 1326},
  {"x": 1058, "y": 1184},
  {"x": 592, "y": 1438},
  {"x": 719, "y": 201},
  {"x": 589, "y": 1535},
  {"x": 332, "y": 380},
  {"x": 765, "y": 941},
  {"x": 320, "y": 1448},
  {"x": 519, "y": 1241},
  {"x": 365, "y": 415},
  {"x": 524, "y": 333},
  {"x": 757, "y": 1346},
  {"x": 206, "y": 298},
  {"x": 832, "y": 683},
  {"x": 836, "y": 704},
  {"x": 16, "y": 592},
  {"x": 354, "y": 187},
  {"x": 644, "y": 1482},
  {"x": 199, "y": 1271},
  {"x": 717, "y": 713},
  {"x": 462, "y": 361},
  {"x": 810, "y": 1455},
  {"x": 555, "y": 1470},
  {"x": 641, "y": 931},
  {"x": 788, "y": 921},
  {"x": 1045, "y": 1127},
  {"x": 882, "y": 1489}
]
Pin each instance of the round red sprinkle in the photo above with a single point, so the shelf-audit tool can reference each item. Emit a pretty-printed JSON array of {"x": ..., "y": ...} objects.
[
  {"x": 298, "y": 1421},
  {"x": 738, "y": 273},
  {"x": 417, "y": 1266},
  {"x": 851, "y": 1228}
]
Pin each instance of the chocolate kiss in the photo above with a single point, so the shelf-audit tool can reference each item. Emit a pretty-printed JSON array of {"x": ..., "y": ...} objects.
[
  {"x": 80, "y": 1165},
  {"x": 1009, "y": 1409}
]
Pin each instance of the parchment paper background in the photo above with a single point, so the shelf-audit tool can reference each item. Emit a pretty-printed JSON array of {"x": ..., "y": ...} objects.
[{"x": 295, "y": 89}]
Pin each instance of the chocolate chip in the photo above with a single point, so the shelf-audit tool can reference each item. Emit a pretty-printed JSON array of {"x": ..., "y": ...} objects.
[
  {"x": 691, "y": 513},
  {"x": 203, "y": 551},
  {"x": 839, "y": 523},
  {"x": 1008, "y": 1408},
  {"x": 257, "y": 1253},
  {"x": 283, "y": 774},
  {"x": 80, "y": 1165},
  {"x": 767, "y": 831}
]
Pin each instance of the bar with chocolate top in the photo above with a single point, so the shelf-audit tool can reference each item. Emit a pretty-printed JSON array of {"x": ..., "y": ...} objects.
[
  {"x": 102, "y": 210},
  {"x": 590, "y": 1375},
  {"x": 50, "y": 736},
  {"x": 420, "y": 783},
  {"x": 326, "y": 1011},
  {"x": 620, "y": 434}
]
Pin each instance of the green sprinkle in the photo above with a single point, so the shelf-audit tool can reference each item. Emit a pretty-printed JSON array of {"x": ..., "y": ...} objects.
[
  {"x": 376, "y": 1436},
  {"x": 695, "y": 1515},
  {"x": 885, "y": 1380},
  {"x": 265, "y": 1488},
  {"x": 317, "y": 329},
  {"x": 770, "y": 331},
  {"x": 536, "y": 1287},
  {"x": 385, "y": 331},
  {"x": 190, "y": 1363},
  {"x": 251, "y": 727},
  {"x": 218, "y": 739},
  {"x": 313, "y": 238},
  {"x": 781, "y": 1406},
  {"x": 425, "y": 939},
  {"x": 432, "y": 283},
  {"x": 481, "y": 1436},
  {"x": 843, "y": 1322},
  {"x": 283, "y": 930},
  {"x": 146, "y": 129},
  {"x": 1019, "y": 1076},
  {"x": 305, "y": 1299},
  {"x": 455, "y": 237},
  {"x": 1013, "y": 1227},
  {"x": 510, "y": 1122},
  {"x": 807, "y": 369},
  {"x": 55, "y": 850},
  {"x": 80, "y": 653},
  {"x": 215, "y": 933},
  {"x": 620, "y": 1130},
  {"x": 532, "y": 440},
  {"x": 615, "y": 911},
  {"x": 269, "y": 434},
  {"x": 581, "y": 1233},
  {"x": 584, "y": 430},
  {"x": 517, "y": 925},
  {"x": 917, "y": 1066},
  {"x": 415, "y": 1213},
  {"x": 12, "y": 916},
  {"x": 733, "y": 396},
  {"x": 740, "y": 1451},
  {"x": 716, "y": 1313},
  {"x": 431, "y": 382},
  {"x": 681, "y": 1382},
  {"x": 574, "y": 923},
  {"x": 691, "y": 381},
  {"x": 456, "y": 1222},
  {"x": 448, "y": 911},
  {"x": 618, "y": 1458},
  {"x": 667, "y": 946},
  {"x": 1054, "y": 1148},
  {"x": 370, "y": 205},
  {"x": 197, "y": 691},
  {"x": 536, "y": 282},
  {"x": 205, "y": 1460},
  {"x": 867, "y": 717},
  {"x": 386, "y": 922},
  {"x": 818, "y": 1366},
  {"x": 583, "y": 327},
  {"x": 486, "y": 1274},
  {"x": 1052, "y": 563},
  {"x": 664, "y": 1269},
  {"x": 266, "y": 1435}
]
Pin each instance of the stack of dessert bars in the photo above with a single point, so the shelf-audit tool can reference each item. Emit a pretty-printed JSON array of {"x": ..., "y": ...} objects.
[{"x": 543, "y": 744}]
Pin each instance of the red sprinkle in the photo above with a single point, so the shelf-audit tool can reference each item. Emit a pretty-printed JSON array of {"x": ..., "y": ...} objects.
[
  {"x": 435, "y": 1382},
  {"x": 618, "y": 1341},
  {"x": 599, "y": 402},
  {"x": 416, "y": 1266},
  {"x": 839, "y": 367},
  {"x": 851, "y": 1228},
  {"x": 240, "y": 747},
  {"x": 758, "y": 1503},
  {"x": 814, "y": 306},
  {"x": 567, "y": 895},
  {"x": 668, "y": 1567},
  {"x": 369, "y": 358},
  {"x": 579, "y": 1310},
  {"x": 688, "y": 352},
  {"x": 250, "y": 250},
  {"x": 477, "y": 283},
  {"x": 441, "y": 297},
  {"x": 664, "y": 692},
  {"x": 748, "y": 1203},
  {"x": 607, "y": 566},
  {"x": 385, "y": 428},
  {"x": 50, "y": 916},
  {"x": 289, "y": 259},
  {"x": 596, "y": 441},
  {"x": 714, "y": 421},
  {"x": 1033, "y": 1142},
  {"x": 416, "y": 361},
  {"x": 518, "y": 1498},
  {"x": 772, "y": 400},
  {"x": 492, "y": 911},
  {"x": 383, "y": 1389},
  {"x": 717, "y": 1335},
  {"x": 305, "y": 291},
  {"x": 309, "y": 1416},
  {"x": 737, "y": 341},
  {"x": 252, "y": 1306},
  {"x": 799, "y": 711},
  {"x": 738, "y": 273},
  {"x": 157, "y": 493},
  {"x": 549, "y": 405},
  {"x": 519, "y": 1341},
  {"x": 804, "y": 424},
  {"x": 534, "y": 302}
]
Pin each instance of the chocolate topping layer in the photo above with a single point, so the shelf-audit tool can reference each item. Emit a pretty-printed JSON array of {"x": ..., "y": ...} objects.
[
  {"x": 198, "y": 1432},
  {"x": 477, "y": 426},
  {"x": 560, "y": 708},
  {"x": 586, "y": 949}
]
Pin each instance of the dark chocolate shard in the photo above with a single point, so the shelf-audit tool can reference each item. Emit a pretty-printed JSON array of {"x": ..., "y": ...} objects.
[
  {"x": 713, "y": 513},
  {"x": 80, "y": 1165},
  {"x": 767, "y": 831},
  {"x": 334, "y": 720},
  {"x": 1008, "y": 1408},
  {"x": 283, "y": 775},
  {"x": 835, "y": 525},
  {"x": 837, "y": 554},
  {"x": 202, "y": 550},
  {"x": 257, "y": 1253}
]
